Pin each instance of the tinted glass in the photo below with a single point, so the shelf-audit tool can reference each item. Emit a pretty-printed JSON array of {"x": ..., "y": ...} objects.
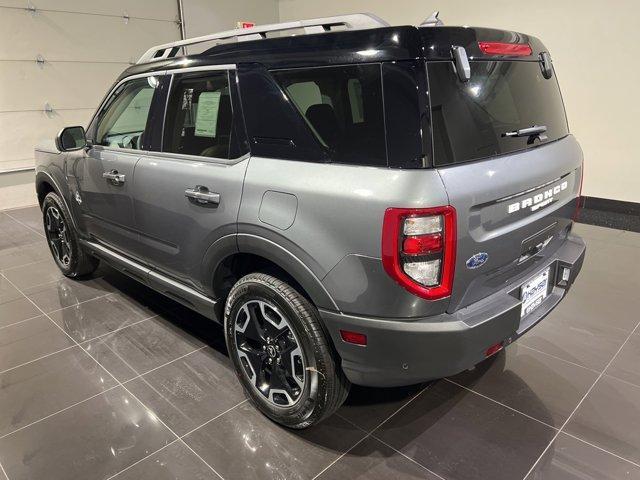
[
  {"x": 470, "y": 118},
  {"x": 343, "y": 107},
  {"x": 199, "y": 116},
  {"x": 123, "y": 119}
]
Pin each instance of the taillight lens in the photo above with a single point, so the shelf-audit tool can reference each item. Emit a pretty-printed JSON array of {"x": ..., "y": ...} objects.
[
  {"x": 501, "y": 48},
  {"x": 419, "y": 249}
]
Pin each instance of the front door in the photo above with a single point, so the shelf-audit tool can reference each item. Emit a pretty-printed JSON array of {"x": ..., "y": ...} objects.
[
  {"x": 188, "y": 195},
  {"x": 105, "y": 174}
]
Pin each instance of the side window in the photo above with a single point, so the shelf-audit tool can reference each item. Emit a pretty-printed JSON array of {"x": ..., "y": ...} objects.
[
  {"x": 123, "y": 119},
  {"x": 199, "y": 116},
  {"x": 343, "y": 107}
]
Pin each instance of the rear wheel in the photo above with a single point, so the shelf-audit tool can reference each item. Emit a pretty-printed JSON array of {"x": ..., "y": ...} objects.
[
  {"x": 280, "y": 352},
  {"x": 63, "y": 239}
]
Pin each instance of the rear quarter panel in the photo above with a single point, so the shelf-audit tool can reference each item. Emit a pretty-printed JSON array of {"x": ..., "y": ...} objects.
[{"x": 335, "y": 225}]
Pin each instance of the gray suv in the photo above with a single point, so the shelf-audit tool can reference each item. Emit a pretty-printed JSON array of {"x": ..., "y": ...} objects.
[{"x": 356, "y": 203}]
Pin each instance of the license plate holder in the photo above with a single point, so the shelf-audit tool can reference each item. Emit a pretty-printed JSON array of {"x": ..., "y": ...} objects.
[{"x": 534, "y": 291}]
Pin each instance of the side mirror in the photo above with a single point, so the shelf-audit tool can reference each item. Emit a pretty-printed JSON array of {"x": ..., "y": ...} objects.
[{"x": 70, "y": 139}]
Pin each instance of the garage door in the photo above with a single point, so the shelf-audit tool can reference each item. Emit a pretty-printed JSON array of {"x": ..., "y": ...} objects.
[{"x": 82, "y": 46}]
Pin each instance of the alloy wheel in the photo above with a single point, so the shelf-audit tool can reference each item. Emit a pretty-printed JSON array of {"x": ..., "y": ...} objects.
[
  {"x": 58, "y": 236},
  {"x": 270, "y": 353}
]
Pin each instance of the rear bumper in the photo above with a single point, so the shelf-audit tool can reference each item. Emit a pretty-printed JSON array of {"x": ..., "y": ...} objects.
[{"x": 404, "y": 352}]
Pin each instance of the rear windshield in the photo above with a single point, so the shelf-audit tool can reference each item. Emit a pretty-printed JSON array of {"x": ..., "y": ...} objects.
[{"x": 470, "y": 118}]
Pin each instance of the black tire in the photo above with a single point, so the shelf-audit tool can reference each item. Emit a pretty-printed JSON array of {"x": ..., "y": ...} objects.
[
  {"x": 62, "y": 239},
  {"x": 324, "y": 385}
]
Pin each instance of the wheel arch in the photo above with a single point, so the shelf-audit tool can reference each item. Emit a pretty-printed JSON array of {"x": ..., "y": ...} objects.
[
  {"x": 44, "y": 185},
  {"x": 256, "y": 253}
]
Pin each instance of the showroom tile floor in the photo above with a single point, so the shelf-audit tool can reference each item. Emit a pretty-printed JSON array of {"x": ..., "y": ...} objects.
[{"x": 102, "y": 378}]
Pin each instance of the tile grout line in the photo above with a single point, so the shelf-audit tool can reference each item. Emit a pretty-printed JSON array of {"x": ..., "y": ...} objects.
[
  {"x": 580, "y": 402},
  {"x": 600, "y": 448},
  {"x": 24, "y": 225},
  {"x": 407, "y": 457},
  {"x": 37, "y": 284},
  {"x": 159, "y": 366},
  {"x": 174, "y": 441},
  {"x": 557, "y": 358},
  {"x": 367, "y": 434},
  {"x": 390, "y": 447},
  {"x": 59, "y": 411},
  {"x": 178, "y": 438},
  {"x": 79, "y": 344},
  {"x": 118, "y": 381},
  {"x": 82, "y": 302},
  {"x": 123, "y": 386},
  {"x": 626, "y": 382},
  {"x": 140, "y": 375},
  {"x": 20, "y": 321},
  {"x": 22, "y": 265},
  {"x": 60, "y": 309},
  {"x": 10, "y": 209},
  {"x": 500, "y": 403}
]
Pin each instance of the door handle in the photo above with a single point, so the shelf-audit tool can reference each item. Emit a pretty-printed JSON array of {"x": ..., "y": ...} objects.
[
  {"x": 202, "y": 195},
  {"x": 114, "y": 177}
]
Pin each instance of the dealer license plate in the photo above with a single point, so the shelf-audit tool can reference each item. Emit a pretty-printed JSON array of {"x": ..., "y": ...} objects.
[{"x": 533, "y": 292}]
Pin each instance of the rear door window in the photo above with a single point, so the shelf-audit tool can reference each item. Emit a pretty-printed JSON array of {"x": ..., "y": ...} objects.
[
  {"x": 470, "y": 118},
  {"x": 199, "y": 116},
  {"x": 343, "y": 108}
]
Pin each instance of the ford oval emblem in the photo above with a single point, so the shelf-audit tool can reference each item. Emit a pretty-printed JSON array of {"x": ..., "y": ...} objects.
[{"x": 477, "y": 260}]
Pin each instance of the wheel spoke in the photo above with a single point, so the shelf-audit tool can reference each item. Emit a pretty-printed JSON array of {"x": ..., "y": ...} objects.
[
  {"x": 58, "y": 236},
  {"x": 269, "y": 352}
]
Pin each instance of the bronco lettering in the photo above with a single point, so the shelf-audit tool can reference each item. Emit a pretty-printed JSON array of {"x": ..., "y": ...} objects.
[{"x": 539, "y": 200}]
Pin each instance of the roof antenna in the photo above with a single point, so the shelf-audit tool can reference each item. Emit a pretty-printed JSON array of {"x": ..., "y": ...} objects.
[{"x": 432, "y": 20}]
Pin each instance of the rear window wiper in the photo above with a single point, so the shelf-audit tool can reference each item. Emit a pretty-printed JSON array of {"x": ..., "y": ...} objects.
[{"x": 536, "y": 131}]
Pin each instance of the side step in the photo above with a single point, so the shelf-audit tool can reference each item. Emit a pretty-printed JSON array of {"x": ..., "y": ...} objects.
[{"x": 175, "y": 290}]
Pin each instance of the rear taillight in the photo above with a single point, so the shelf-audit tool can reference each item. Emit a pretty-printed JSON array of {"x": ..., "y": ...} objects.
[
  {"x": 501, "y": 48},
  {"x": 419, "y": 249}
]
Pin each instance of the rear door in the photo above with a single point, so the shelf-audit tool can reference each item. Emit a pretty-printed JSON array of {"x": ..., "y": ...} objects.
[
  {"x": 187, "y": 195},
  {"x": 514, "y": 195}
]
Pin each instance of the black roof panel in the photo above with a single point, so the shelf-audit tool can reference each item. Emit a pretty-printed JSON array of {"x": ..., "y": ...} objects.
[{"x": 349, "y": 46}]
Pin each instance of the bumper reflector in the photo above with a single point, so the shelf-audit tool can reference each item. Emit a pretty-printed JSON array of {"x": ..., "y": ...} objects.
[
  {"x": 492, "y": 350},
  {"x": 354, "y": 337}
]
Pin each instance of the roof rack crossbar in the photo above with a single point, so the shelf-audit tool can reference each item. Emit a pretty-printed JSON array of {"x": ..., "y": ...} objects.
[{"x": 356, "y": 21}]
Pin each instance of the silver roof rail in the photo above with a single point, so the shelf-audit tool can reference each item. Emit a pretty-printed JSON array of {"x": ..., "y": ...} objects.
[
  {"x": 432, "y": 20},
  {"x": 356, "y": 21}
]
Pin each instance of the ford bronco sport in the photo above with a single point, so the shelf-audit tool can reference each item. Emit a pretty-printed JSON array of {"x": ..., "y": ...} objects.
[{"x": 356, "y": 203}]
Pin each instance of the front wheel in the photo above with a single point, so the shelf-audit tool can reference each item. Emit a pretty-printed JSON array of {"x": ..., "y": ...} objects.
[
  {"x": 62, "y": 238},
  {"x": 280, "y": 352}
]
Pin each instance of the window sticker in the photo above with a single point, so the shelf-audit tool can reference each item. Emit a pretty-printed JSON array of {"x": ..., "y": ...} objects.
[{"x": 207, "y": 114}]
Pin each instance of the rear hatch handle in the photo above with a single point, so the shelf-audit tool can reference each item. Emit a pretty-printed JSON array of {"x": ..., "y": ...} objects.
[{"x": 533, "y": 132}]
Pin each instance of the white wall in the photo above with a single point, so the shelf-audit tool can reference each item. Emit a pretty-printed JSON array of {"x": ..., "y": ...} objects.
[
  {"x": 86, "y": 44},
  {"x": 209, "y": 16},
  {"x": 594, "y": 48}
]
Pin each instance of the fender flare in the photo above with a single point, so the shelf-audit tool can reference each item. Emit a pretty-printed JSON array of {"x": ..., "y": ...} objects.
[
  {"x": 44, "y": 176},
  {"x": 275, "y": 253}
]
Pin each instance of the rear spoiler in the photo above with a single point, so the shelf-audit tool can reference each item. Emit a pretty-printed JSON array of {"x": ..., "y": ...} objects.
[{"x": 439, "y": 42}]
